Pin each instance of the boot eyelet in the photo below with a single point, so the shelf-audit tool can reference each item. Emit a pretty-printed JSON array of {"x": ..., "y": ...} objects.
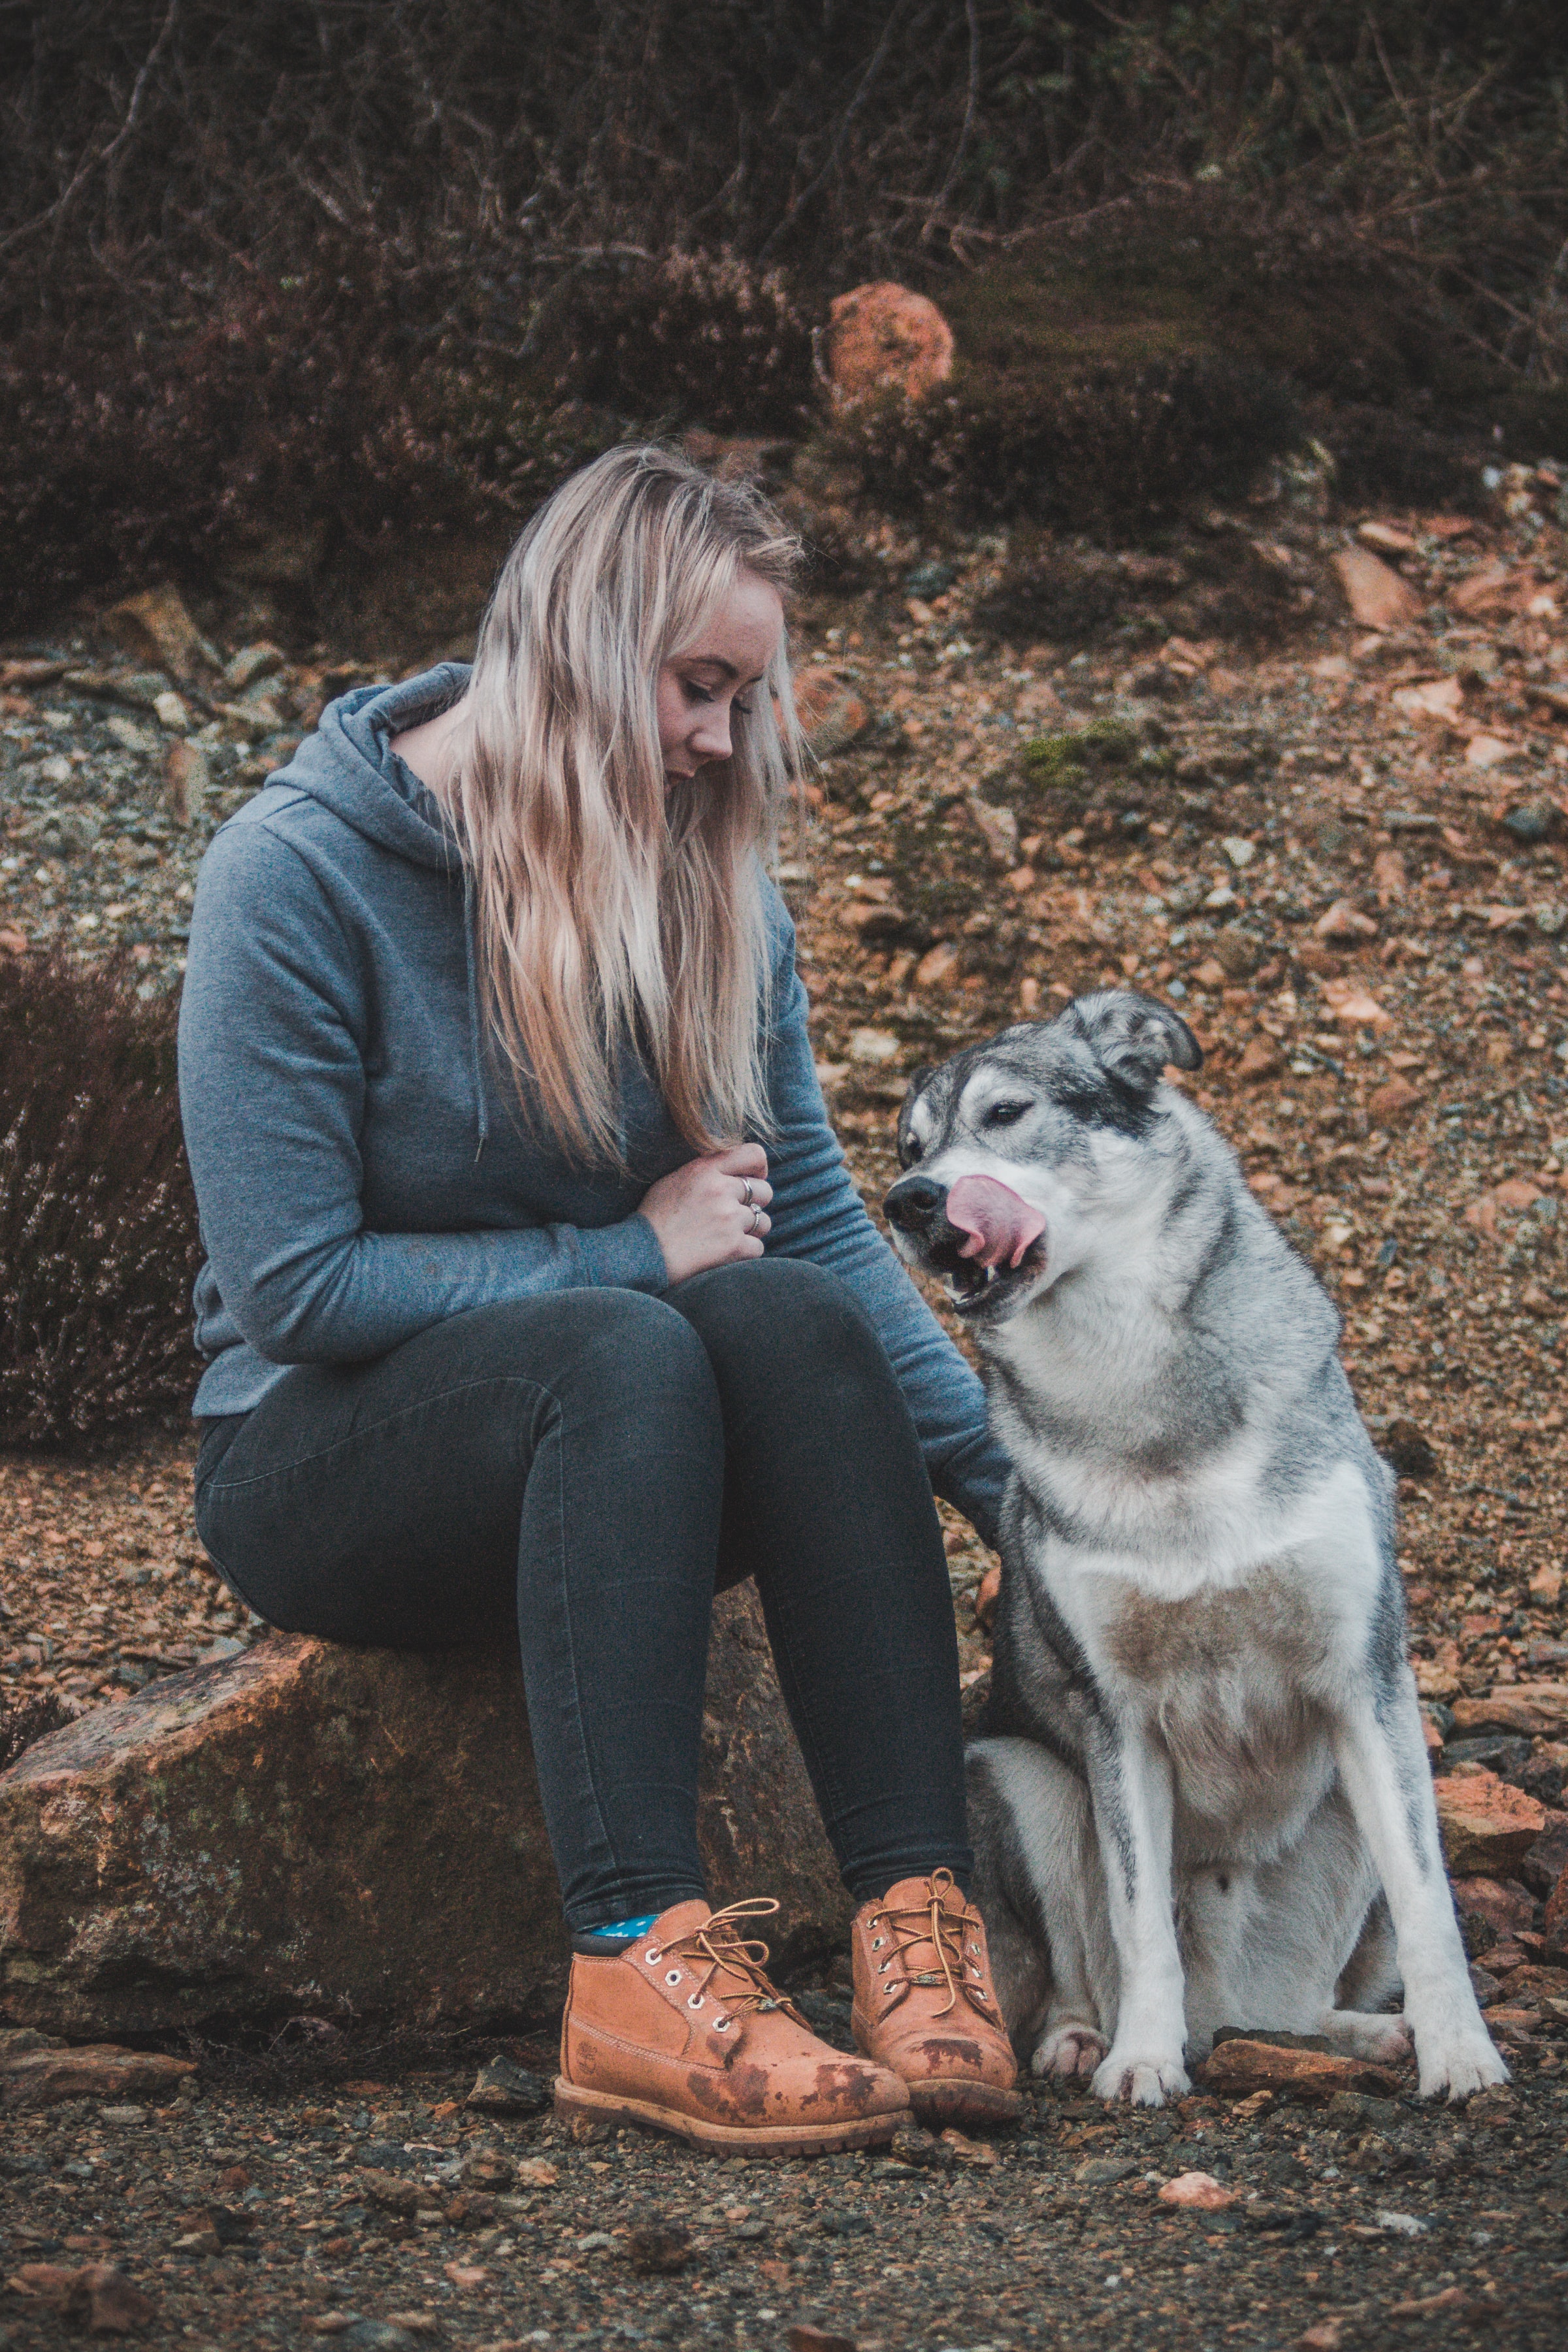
[
  {"x": 876, "y": 1943},
  {"x": 695, "y": 2000},
  {"x": 652, "y": 1958},
  {"x": 889, "y": 1990},
  {"x": 675, "y": 1978},
  {"x": 723, "y": 2024},
  {"x": 883, "y": 1966}
]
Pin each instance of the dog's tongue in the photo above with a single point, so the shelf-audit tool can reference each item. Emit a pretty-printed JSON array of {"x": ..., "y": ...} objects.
[{"x": 999, "y": 1224}]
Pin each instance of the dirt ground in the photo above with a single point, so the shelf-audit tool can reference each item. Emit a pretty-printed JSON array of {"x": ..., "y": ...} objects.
[{"x": 1341, "y": 853}]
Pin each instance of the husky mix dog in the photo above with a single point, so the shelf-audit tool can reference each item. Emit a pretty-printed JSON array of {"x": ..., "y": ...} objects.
[{"x": 1203, "y": 1797}]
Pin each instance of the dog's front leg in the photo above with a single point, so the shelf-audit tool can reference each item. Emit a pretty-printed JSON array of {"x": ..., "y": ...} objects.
[
  {"x": 1131, "y": 1790},
  {"x": 1382, "y": 1759}
]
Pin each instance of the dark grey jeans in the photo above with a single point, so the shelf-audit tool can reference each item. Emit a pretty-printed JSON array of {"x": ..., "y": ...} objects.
[{"x": 587, "y": 1467}]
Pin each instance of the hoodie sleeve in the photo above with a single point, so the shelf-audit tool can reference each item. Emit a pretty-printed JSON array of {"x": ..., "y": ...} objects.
[
  {"x": 817, "y": 1213},
  {"x": 272, "y": 1089}
]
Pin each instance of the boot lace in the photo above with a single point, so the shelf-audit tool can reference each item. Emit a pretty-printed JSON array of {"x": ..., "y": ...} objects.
[
  {"x": 725, "y": 1951},
  {"x": 942, "y": 1930}
]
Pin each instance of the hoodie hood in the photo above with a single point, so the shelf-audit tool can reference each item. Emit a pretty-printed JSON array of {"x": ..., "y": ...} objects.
[{"x": 349, "y": 766}]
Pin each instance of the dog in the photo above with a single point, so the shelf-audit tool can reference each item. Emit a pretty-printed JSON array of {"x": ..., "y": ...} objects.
[{"x": 1201, "y": 1797}]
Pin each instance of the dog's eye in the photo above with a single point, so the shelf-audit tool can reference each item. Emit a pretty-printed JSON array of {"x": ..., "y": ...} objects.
[
  {"x": 913, "y": 1148},
  {"x": 1006, "y": 1113}
]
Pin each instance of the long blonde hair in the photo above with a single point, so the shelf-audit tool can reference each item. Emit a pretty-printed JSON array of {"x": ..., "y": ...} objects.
[{"x": 614, "y": 907}]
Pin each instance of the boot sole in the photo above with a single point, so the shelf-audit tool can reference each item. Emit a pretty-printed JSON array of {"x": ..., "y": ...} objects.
[
  {"x": 739, "y": 2140},
  {"x": 940, "y": 2103}
]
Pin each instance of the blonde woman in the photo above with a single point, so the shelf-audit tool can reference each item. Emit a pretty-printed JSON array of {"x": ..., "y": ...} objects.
[{"x": 539, "y": 1303}]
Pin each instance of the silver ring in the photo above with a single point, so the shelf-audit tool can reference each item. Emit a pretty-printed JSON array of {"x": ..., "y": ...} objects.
[
  {"x": 756, "y": 1224},
  {"x": 746, "y": 1194}
]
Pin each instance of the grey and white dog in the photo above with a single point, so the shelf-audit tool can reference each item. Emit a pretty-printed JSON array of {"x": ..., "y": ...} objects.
[{"x": 1202, "y": 1797}]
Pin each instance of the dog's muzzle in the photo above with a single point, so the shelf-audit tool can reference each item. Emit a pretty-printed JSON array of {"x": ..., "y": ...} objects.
[{"x": 979, "y": 1237}]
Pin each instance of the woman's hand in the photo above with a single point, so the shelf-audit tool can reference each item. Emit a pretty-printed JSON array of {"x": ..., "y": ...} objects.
[{"x": 709, "y": 1212}]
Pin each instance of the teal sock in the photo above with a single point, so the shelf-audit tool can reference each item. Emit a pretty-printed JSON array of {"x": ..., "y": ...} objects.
[{"x": 616, "y": 1935}]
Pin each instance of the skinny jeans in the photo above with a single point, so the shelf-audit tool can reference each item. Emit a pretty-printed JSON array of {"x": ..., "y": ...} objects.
[{"x": 580, "y": 1472}]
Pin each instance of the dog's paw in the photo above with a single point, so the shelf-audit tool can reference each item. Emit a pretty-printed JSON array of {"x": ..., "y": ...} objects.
[
  {"x": 1455, "y": 2064},
  {"x": 1361, "y": 2034},
  {"x": 1069, "y": 2049},
  {"x": 1143, "y": 2082}
]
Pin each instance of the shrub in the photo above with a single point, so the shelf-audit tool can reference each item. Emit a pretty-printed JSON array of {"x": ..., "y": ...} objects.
[
  {"x": 1118, "y": 445},
  {"x": 687, "y": 337},
  {"x": 98, "y": 1244},
  {"x": 25, "y": 1720}
]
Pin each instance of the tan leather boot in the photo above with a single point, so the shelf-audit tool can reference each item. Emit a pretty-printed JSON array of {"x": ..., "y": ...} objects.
[
  {"x": 925, "y": 2007},
  {"x": 683, "y": 2030}
]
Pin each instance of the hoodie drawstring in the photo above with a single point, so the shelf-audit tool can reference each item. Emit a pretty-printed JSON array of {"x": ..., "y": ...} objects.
[{"x": 482, "y": 1111}]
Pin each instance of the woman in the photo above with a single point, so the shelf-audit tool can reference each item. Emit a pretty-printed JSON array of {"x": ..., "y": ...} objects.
[{"x": 538, "y": 1296}]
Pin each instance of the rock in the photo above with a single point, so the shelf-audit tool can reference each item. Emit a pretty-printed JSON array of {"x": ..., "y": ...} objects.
[
  {"x": 929, "y": 580},
  {"x": 1105, "y": 2171},
  {"x": 1343, "y": 924},
  {"x": 308, "y": 1825},
  {"x": 1260, "y": 1058},
  {"x": 487, "y": 2169},
  {"x": 1352, "y": 1005},
  {"x": 937, "y": 969},
  {"x": 1409, "y": 1448},
  {"x": 1393, "y": 1098},
  {"x": 98, "y": 2292},
  {"x": 42, "y": 2078},
  {"x": 1490, "y": 589},
  {"x": 186, "y": 776},
  {"x": 1238, "y": 951},
  {"x": 171, "y": 712},
  {"x": 502, "y": 2089},
  {"x": 1377, "y": 596},
  {"x": 1533, "y": 821},
  {"x": 831, "y": 714},
  {"x": 818, "y": 2339},
  {"x": 883, "y": 337},
  {"x": 1198, "y": 2191},
  {"x": 155, "y": 627},
  {"x": 1386, "y": 536},
  {"x": 1245, "y": 2063},
  {"x": 966, "y": 2150},
  {"x": 1487, "y": 1825},
  {"x": 262, "y": 659},
  {"x": 998, "y": 829},
  {"x": 1531, "y": 1709},
  {"x": 1438, "y": 698},
  {"x": 873, "y": 1046},
  {"x": 658, "y": 2247}
]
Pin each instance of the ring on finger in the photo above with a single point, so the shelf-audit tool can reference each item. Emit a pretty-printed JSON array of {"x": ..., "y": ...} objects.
[
  {"x": 747, "y": 1196},
  {"x": 756, "y": 1224}
]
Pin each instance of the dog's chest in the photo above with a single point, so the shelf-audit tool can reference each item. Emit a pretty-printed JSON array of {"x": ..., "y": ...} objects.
[{"x": 1227, "y": 1681}]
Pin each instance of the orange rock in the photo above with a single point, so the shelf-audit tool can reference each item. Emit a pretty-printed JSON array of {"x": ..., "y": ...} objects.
[
  {"x": 1343, "y": 923},
  {"x": 1198, "y": 2190},
  {"x": 1377, "y": 596},
  {"x": 1235, "y": 2068},
  {"x": 1532, "y": 1708},
  {"x": 987, "y": 1597},
  {"x": 1390, "y": 1099},
  {"x": 1487, "y": 1825},
  {"x": 42, "y": 2078},
  {"x": 155, "y": 627},
  {"x": 1438, "y": 698},
  {"x": 1493, "y": 589},
  {"x": 938, "y": 969},
  {"x": 1259, "y": 1057},
  {"x": 12, "y": 940},
  {"x": 883, "y": 337}
]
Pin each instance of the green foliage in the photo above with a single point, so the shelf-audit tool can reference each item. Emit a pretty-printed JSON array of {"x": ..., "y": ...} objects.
[
  {"x": 1054, "y": 762},
  {"x": 98, "y": 1244}
]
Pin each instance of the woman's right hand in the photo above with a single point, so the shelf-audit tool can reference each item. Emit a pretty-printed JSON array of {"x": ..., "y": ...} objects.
[{"x": 701, "y": 1212}]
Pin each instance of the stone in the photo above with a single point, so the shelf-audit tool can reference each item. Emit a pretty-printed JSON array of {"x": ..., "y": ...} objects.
[
  {"x": 537, "y": 2172},
  {"x": 307, "y": 1826},
  {"x": 1533, "y": 1710},
  {"x": 42, "y": 2078},
  {"x": 1493, "y": 588},
  {"x": 1408, "y": 1448},
  {"x": 1245, "y": 2063},
  {"x": 502, "y": 2089},
  {"x": 1199, "y": 2192},
  {"x": 155, "y": 627},
  {"x": 98, "y": 2292},
  {"x": 1343, "y": 924},
  {"x": 998, "y": 829},
  {"x": 262, "y": 659},
  {"x": 1533, "y": 821},
  {"x": 883, "y": 337},
  {"x": 938, "y": 969},
  {"x": 1377, "y": 596},
  {"x": 1104, "y": 2171},
  {"x": 1386, "y": 536},
  {"x": 966, "y": 2150},
  {"x": 1260, "y": 1058},
  {"x": 873, "y": 1046},
  {"x": 832, "y": 715},
  {"x": 1393, "y": 1098},
  {"x": 186, "y": 778},
  {"x": 1487, "y": 1825},
  {"x": 658, "y": 2247},
  {"x": 818, "y": 2339}
]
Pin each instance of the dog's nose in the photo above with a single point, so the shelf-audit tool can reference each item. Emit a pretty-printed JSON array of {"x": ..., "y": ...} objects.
[{"x": 917, "y": 1204}]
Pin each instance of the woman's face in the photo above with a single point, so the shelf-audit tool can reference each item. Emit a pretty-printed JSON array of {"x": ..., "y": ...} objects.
[{"x": 719, "y": 672}]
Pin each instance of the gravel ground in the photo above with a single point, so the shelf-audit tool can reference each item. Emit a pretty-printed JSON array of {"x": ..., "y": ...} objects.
[{"x": 1343, "y": 857}]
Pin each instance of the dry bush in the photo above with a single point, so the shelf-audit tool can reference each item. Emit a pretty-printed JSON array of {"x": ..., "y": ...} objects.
[
  {"x": 1119, "y": 445},
  {"x": 24, "y": 1720},
  {"x": 98, "y": 1245},
  {"x": 687, "y": 336}
]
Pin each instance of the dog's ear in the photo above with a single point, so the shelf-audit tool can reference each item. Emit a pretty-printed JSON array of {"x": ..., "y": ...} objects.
[{"x": 1133, "y": 1036}]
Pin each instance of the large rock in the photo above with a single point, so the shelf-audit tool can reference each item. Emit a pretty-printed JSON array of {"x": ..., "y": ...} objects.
[
  {"x": 883, "y": 337},
  {"x": 313, "y": 1828},
  {"x": 1487, "y": 1825}
]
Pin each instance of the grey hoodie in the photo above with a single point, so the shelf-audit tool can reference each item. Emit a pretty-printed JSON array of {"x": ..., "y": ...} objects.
[{"x": 361, "y": 1165}]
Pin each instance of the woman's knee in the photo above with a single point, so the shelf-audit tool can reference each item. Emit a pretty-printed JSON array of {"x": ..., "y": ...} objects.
[
  {"x": 782, "y": 1310},
  {"x": 619, "y": 1351}
]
